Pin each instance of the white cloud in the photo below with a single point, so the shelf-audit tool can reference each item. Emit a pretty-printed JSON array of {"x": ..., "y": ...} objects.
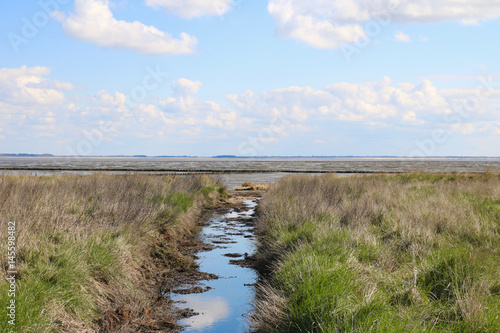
[
  {"x": 93, "y": 21},
  {"x": 34, "y": 110},
  {"x": 327, "y": 24},
  {"x": 185, "y": 106},
  {"x": 193, "y": 8},
  {"x": 411, "y": 118},
  {"x": 465, "y": 11},
  {"x": 402, "y": 37},
  {"x": 184, "y": 87},
  {"x": 468, "y": 129},
  {"x": 378, "y": 102},
  {"x": 315, "y": 30},
  {"x": 183, "y": 99},
  {"x": 31, "y": 102},
  {"x": 150, "y": 113},
  {"x": 27, "y": 86}
]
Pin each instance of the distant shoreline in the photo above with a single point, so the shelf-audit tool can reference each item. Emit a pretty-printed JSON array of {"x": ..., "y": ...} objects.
[{"x": 221, "y": 157}]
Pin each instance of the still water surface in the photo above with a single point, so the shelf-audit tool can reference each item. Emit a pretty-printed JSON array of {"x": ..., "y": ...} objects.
[{"x": 224, "y": 308}]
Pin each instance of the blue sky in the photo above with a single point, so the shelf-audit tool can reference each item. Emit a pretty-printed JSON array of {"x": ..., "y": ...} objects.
[{"x": 276, "y": 77}]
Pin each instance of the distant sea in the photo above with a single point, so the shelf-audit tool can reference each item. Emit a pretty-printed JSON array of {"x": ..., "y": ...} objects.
[{"x": 234, "y": 171}]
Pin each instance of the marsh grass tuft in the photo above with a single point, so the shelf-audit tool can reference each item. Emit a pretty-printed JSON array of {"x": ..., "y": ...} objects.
[{"x": 381, "y": 253}]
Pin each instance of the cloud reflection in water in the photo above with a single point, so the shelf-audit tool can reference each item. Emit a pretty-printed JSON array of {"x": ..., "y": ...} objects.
[{"x": 210, "y": 309}]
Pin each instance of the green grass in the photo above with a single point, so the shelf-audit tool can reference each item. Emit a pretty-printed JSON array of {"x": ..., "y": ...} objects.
[
  {"x": 180, "y": 202},
  {"x": 56, "y": 275},
  {"x": 402, "y": 253},
  {"x": 208, "y": 190}
]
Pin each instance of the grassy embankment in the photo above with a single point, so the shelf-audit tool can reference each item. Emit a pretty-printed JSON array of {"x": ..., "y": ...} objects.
[
  {"x": 400, "y": 253},
  {"x": 92, "y": 249}
]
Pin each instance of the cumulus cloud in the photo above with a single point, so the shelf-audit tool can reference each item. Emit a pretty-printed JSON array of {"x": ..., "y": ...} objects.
[
  {"x": 479, "y": 127},
  {"x": 29, "y": 109},
  {"x": 193, "y": 8},
  {"x": 93, "y": 21},
  {"x": 35, "y": 106},
  {"x": 27, "y": 86},
  {"x": 343, "y": 101},
  {"x": 402, "y": 37},
  {"x": 466, "y": 11},
  {"x": 183, "y": 98},
  {"x": 31, "y": 101},
  {"x": 329, "y": 24},
  {"x": 346, "y": 111},
  {"x": 185, "y": 87},
  {"x": 294, "y": 20},
  {"x": 185, "y": 106}
]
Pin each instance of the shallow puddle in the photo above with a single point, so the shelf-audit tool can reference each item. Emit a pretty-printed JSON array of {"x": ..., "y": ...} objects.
[{"x": 224, "y": 307}]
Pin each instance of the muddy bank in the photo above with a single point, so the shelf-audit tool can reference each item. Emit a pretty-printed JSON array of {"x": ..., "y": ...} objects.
[
  {"x": 170, "y": 267},
  {"x": 175, "y": 271}
]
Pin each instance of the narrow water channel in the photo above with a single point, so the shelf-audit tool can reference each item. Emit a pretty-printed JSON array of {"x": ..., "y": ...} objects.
[{"x": 224, "y": 307}]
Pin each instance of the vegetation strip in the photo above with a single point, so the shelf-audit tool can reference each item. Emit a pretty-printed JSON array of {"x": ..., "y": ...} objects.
[
  {"x": 378, "y": 253},
  {"x": 96, "y": 252}
]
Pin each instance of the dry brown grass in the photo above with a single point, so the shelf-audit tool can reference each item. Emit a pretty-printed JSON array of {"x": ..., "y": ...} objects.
[
  {"x": 252, "y": 187},
  {"x": 97, "y": 243}
]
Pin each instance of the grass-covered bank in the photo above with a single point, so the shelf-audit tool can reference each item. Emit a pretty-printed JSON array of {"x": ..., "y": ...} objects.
[
  {"x": 92, "y": 249},
  {"x": 400, "y": 253}
]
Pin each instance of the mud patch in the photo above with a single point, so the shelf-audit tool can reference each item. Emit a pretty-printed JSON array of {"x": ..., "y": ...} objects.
[
  {"x": 186, "y": 313},
  {"x": 192, "y": 290},
  {"x": 233, "y": 255},
  {"x": 248, "y": 262},
  {"x": 224, "y": 242}
]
